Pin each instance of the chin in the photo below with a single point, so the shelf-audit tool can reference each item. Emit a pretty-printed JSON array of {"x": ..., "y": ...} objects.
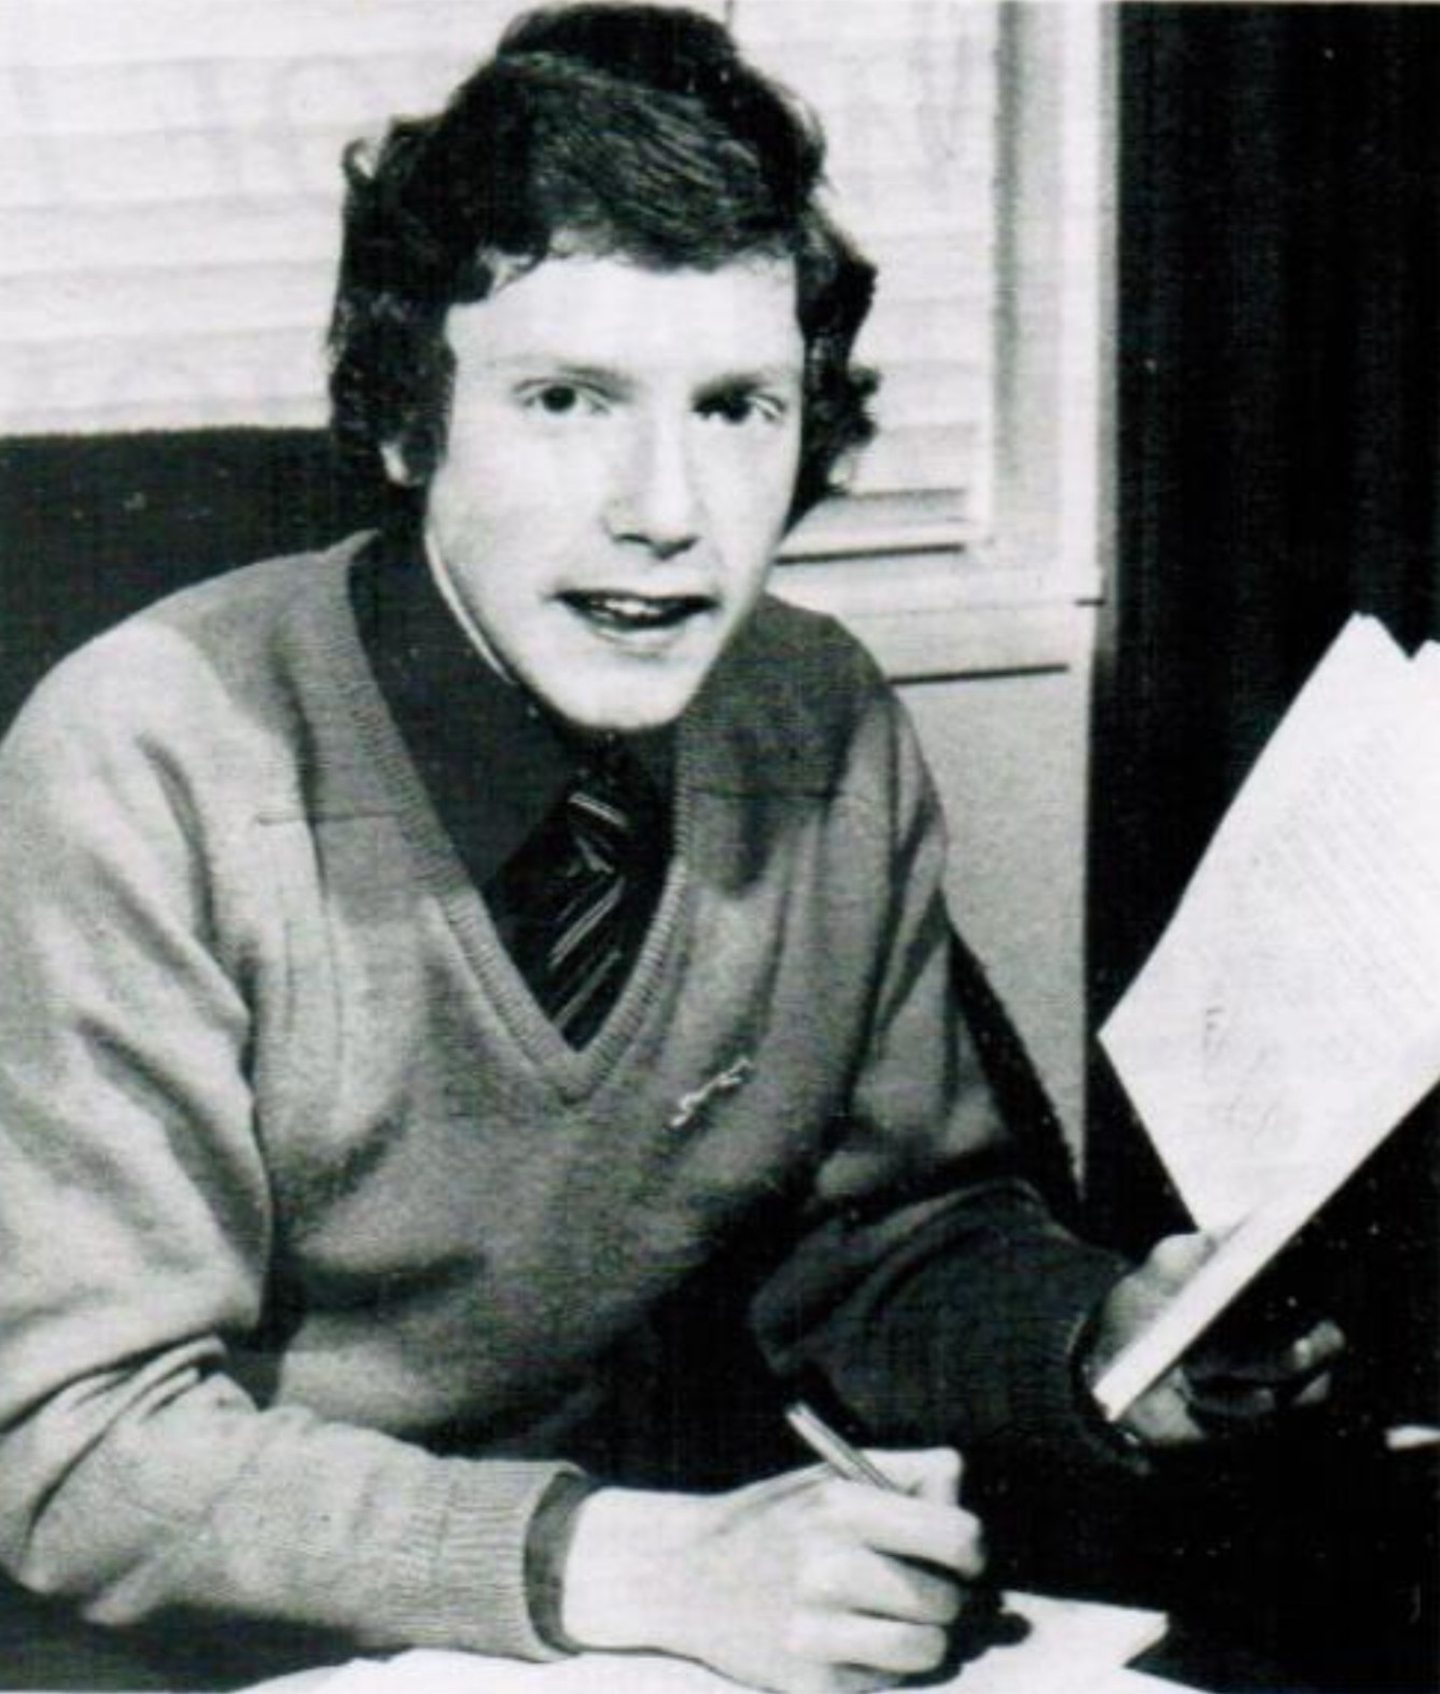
[
  {"x": 623, "y": 720},
  {"x": 625, "y": 708}
]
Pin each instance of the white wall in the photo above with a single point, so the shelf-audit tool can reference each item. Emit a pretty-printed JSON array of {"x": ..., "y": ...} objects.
[{"x": 1010, "y": 756}]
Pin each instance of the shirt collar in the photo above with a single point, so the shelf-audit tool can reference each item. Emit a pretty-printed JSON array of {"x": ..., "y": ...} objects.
[{"x": 493, "y": 762}]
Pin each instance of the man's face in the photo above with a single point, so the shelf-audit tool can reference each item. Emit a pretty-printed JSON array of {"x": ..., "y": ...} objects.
[{"x": 619, "y": 468}]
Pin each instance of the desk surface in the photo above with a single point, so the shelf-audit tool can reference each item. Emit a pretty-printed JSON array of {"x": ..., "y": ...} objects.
[
  {"x": 1333, "y": 1590},
  {"x": 1036, "y": 1643}
]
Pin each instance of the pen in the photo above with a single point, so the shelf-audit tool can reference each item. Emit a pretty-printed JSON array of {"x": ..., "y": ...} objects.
[{"x": 830, "y": 1446}]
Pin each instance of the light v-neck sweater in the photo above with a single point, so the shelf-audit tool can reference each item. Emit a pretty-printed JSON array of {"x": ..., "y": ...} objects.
[{"x": 324, "y": 1252}]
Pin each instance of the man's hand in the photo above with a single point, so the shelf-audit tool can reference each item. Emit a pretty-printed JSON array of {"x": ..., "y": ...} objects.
[
  {"x": 1226, "y": 1384},
  {"x": 804, "y": 1583}
]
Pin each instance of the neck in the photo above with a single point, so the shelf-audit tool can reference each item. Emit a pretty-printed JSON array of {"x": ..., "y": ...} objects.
[{"x": 445, "y": 585}]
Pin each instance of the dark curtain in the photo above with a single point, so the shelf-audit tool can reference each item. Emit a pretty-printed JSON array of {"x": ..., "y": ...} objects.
[
  {"x": 1279, "y": 287},
  {"x": 1279, "y": 467},
  {"x": 1279, "y": 433}
]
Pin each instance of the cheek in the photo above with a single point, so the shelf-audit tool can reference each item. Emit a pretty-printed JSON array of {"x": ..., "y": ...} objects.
[
  {"x": 751, "y": 489},
  {"x": 526, "y": 490}
]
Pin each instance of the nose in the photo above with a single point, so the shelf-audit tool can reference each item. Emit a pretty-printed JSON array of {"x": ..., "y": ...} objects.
[{"x": 654, "y": 503}]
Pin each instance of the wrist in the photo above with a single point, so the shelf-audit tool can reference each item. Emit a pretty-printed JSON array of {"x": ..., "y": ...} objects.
[
  {"x": 624, "y": 1581},
  {"x": 1089, "y": 1357}
]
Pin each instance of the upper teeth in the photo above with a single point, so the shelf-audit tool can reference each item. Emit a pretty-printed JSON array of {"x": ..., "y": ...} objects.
[
  {"x": 627, "y": 605},
  {"x": 635, "y": 608}
]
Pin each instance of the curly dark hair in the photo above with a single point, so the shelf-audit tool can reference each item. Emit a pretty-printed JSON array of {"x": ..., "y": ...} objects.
[{"x": 629, "y": 130}]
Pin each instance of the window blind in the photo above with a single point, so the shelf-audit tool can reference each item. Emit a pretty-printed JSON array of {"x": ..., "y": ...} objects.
[
  {"x": 908, "y": 92},
  {"x": 169, "y": 192}
]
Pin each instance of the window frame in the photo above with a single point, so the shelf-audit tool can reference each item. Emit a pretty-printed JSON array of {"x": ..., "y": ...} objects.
[
  {"x": 1043, "y": 536},
  {"x": 935, "y": 597}
]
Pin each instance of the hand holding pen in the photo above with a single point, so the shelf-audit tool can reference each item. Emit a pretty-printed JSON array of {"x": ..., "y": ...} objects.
[
  {"x": 819, "y": 1581},
  {"x": 986, "y": 1623}
]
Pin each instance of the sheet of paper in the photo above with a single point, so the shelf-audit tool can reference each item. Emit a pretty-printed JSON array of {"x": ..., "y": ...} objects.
[
  {"x": 1073, "y": 1645},
  {"x": 1291, "y": 1013}
]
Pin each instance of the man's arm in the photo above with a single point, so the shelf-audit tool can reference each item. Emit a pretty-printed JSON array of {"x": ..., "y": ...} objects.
[
  {"x": 933, "y": 1290},
  {"x": 803, "y": 1583},
  {"x": 936, "y": 1292},
  {"x": 137, "y": 1477}
]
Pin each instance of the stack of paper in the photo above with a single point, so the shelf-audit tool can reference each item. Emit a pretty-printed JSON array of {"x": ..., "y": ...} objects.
[{"x": 1290, "y": 1015}]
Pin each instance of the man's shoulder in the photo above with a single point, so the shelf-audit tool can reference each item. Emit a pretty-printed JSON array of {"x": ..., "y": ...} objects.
[
  {"x": 783, "y": 628},
  {"x": 807, "y": 655},
  {"x": 791, "y": 696},
  {"x": 178, "y": 663},
  {"x": 221, "y": 622},
  {"x": 248, "y": 603}
]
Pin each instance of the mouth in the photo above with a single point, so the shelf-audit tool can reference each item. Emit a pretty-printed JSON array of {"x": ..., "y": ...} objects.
[{"x": 636, "y": 614}]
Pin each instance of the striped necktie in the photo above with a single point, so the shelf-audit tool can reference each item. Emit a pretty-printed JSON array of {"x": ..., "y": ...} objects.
[{"x": 585, "y": 885}]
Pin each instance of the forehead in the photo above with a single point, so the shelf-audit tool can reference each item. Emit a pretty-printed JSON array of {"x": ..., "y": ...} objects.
[{"x": 610, "y": 314}]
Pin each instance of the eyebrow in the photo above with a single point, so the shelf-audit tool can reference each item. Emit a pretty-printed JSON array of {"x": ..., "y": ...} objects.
[
  {"x": 764, "y": 376},
  {"x": 539, "y": 368},
  {"x": 761, "y": 376}
]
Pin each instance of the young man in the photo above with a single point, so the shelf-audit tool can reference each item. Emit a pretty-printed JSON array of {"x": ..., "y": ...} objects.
[{"x": 477, "y": 1009}]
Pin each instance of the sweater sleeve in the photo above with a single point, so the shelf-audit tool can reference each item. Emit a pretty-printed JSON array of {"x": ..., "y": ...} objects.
[
  {"x": 137, "y": 1477},
  {"x": 933, "y": 1291}
]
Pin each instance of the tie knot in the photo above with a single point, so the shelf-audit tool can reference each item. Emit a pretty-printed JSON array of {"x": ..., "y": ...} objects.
[{"x": 600, "y": 802}]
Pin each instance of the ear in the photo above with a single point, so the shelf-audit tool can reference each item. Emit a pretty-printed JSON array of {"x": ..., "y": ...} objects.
[{"x": 392, "y": 456}]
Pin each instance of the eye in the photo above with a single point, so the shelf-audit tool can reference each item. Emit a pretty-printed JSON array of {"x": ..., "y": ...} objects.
[
  {"x": 563, "y": 400},
  {"x": 739, "y": 406}
]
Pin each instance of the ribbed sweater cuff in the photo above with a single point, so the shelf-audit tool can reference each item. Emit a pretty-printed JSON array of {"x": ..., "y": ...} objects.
[
  {"x": 1050, "y": 1402},
  {"x": 462, "y": 1582}
]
